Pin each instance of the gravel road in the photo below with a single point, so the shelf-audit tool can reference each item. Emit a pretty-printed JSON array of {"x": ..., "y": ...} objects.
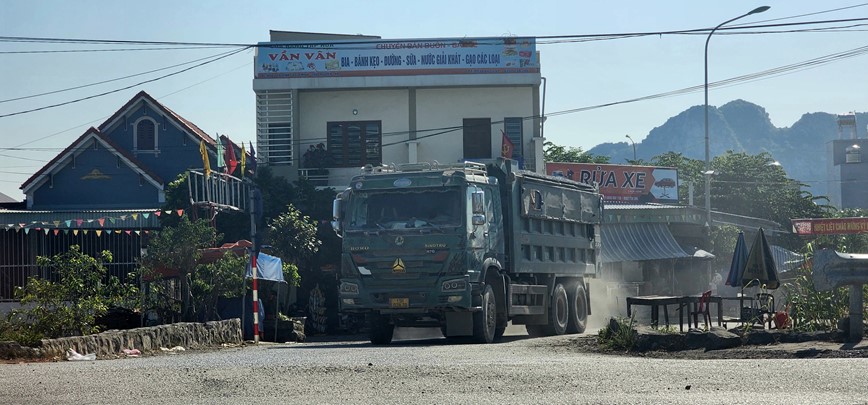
[{"x": 429, "y": 369}]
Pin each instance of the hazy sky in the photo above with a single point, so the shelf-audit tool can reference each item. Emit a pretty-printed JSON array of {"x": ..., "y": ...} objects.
[{"x": 219, "y": 99}]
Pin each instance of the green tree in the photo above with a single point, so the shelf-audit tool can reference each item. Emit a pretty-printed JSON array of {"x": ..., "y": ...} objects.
[
  {"x": 570, "y": 154},
  {"x": 293, "y": 236},
  {"x": 177, "y": 248},
  {"x": 70, "y": 306},
  {"x": 755, "y": 186},
  {"x": 222, "y": 279}
]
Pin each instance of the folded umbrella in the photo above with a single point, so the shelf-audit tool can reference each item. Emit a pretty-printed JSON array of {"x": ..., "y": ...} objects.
[
  {"x": 739, "y": 258},
  {"x": 760, "y": 265}
]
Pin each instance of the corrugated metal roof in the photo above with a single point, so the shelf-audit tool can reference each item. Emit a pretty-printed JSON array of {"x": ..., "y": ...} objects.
[
  {"x": 639, "y": 241},
  {"x": 786, "y": 260}
]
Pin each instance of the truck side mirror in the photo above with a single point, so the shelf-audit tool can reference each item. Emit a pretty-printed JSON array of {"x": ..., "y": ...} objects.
[{"x": 336, "y": 215}]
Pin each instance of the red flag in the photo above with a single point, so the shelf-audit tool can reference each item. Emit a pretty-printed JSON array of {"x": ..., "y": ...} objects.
[
  {"x": 231, "y": 161},
  {"x": 507, "y": 148}
]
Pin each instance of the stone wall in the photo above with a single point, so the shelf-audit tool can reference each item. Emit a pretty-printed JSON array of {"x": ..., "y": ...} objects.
[{"x": 110, "y": 344}]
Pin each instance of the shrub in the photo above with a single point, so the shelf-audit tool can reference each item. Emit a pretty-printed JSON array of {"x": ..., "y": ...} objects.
[
  {"x": 70, "y": 305},
  {"x": 619, "y": 335}
]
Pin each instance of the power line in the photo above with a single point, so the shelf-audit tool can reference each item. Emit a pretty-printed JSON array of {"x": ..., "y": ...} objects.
[
  {"x": 113, "y": 80},
  {"x": 810, "y": 63},
  {"x": 109, "y": 50},
  {"x": 313, "y": 45},
  {"x": 122, "y": 88},
  {"x": 808, "y": 14}
]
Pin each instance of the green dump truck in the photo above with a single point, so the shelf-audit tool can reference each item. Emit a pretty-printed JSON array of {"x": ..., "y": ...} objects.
[{"x": 467, "y": 247}]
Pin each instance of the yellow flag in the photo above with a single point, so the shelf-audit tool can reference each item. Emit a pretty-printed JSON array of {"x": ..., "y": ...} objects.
[
  {"x": 207, "y": 165},
  {"x": 243, "y": 160}
]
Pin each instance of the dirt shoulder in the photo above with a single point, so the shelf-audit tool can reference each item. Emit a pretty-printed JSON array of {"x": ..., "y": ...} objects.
[{"x": 812, "y": 349}]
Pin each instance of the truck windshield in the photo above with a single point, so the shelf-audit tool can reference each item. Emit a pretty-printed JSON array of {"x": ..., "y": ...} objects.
[{"x": 405, "y": 209}]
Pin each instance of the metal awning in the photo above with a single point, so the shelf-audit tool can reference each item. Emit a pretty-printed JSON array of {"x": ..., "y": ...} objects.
[
  {"x": 786, "y": 260},
  {"x": 639, "y": 241}
]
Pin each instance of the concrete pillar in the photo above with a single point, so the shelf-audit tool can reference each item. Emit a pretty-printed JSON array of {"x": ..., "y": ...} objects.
[{"x": 857, "y": 328}]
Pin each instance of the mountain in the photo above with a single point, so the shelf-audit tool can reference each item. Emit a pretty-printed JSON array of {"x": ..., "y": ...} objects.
[{"x": 742, "y": 126}]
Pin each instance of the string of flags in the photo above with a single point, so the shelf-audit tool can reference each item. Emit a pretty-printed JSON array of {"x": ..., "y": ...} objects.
[{"x": 74, "y": 226}]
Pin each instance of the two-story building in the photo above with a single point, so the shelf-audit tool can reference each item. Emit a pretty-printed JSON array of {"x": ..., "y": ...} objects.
[{"x": 327, "y": 105}]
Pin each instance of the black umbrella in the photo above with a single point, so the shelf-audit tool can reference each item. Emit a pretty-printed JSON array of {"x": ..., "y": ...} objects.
[
  {"x": 739, "y": 258},
  {"x": 760, "y": 266}
]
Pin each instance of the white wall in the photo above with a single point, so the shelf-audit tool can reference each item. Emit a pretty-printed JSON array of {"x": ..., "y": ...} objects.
[
  {"x": 447, "y": 107},
  {"x": 435, "y": 108},
  {"x": 317, "y": 108}
]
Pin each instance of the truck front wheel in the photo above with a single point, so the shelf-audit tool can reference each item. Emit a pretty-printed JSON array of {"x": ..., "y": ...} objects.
[
  {"x": 485, "y": 321},
  {"x": 381, "y": 329},
  {"x": 578, "y": 300}
]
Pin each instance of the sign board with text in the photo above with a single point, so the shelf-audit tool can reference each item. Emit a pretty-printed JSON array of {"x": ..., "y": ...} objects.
[
  {"x": 623, "y": 184},
  {"x": 396, "y": 57},
  {"x": 830, "y": 226}
]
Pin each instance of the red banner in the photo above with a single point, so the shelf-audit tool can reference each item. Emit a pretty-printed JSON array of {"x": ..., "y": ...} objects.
[
  {"x": 624, "y": 184},
  {"x": 830, "y": 226}
]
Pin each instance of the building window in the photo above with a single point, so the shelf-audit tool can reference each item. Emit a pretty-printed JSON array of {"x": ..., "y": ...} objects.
[
  {"x": 279, "y": 145},
  {"x": 355, "y": 143},
  {"x": 145, "y": 135},
  {"x": 274, "y": 127},
  {"x": 477, "y": 138},
  {"x": 853, "y": 154},
  {"x": 514, "y": 129}
]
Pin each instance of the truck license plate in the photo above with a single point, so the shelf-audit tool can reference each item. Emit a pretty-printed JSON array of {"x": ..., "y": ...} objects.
[{"x": 399, "y": 302}]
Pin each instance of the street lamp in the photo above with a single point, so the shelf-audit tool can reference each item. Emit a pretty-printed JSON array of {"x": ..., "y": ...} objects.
[
  {"x": 634, "y": 147},
  {"x": 708, "y": 170}
]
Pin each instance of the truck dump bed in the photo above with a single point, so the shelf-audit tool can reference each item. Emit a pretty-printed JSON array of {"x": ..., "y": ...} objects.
[{"x": 552, "y": 223}]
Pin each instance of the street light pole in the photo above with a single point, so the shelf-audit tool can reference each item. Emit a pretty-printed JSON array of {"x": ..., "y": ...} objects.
[
  {"x": 708, "y": 171},
  {"x": 634, "y": 147}
]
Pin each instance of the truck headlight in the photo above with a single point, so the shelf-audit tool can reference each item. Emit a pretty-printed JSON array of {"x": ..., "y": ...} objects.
[
  {"x": 454, "y": 285},
  {"x": 349, "y": 288}
]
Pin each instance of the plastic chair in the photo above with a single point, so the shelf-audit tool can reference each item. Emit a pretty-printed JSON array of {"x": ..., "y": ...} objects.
[
  {"x": 703, "y": 309},
  {"x": 765, "y": 307}
]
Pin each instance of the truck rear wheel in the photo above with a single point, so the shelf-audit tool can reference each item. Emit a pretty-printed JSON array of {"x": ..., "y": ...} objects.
[
  {"x": 558, "y": 315},
  {"x": 578, "y": 300},
  {"x": 381, "y": 329},
  {"x": 485, "y": 321}
]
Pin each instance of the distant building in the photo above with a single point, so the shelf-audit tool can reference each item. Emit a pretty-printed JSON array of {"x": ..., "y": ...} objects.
[
  {"x": 371, "y": 101},
  {"x": 124, "y": 163},
  {"x": 848, "y": 166},
  {"x": 104, "y": 191}
]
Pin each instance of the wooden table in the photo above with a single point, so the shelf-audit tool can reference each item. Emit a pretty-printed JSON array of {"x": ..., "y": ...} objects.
[
  {"x": 654, "y": 301},
  {"x": 684, "y": 301}
]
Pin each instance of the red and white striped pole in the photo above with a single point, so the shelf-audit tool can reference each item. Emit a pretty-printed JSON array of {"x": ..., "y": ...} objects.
[{"x": 255, "y": 301}]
